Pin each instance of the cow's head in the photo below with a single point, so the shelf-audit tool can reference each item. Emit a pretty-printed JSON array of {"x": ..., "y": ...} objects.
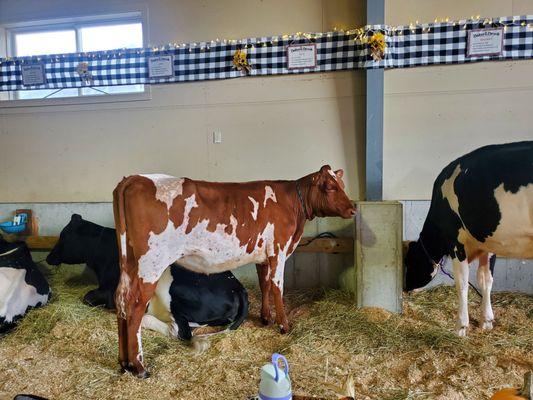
[
  {"x": 419, "y": 269},
  {"x": 326, "y": 194},
  {"x": 69, "y": 249}
]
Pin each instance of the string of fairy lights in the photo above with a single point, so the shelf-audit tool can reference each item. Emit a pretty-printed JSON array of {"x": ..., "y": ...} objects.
[{"x": 358, "y": 35}]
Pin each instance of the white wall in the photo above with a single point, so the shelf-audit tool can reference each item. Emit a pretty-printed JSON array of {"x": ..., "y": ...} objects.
[
  {"x": 273, "y": 127},
  {"x": 435, "y": 114}
]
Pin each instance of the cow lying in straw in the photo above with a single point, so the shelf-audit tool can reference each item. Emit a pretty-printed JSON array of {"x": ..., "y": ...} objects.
[
  {"x": 22, "y": 285},
  {"x": 183, "y": 299}
]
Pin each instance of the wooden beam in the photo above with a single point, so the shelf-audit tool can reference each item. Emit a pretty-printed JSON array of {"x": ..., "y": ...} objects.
[
  {"x": 41, "y": 242},
  {"x": 325, "y": 245},
  {"x": 307, "y": 244}
]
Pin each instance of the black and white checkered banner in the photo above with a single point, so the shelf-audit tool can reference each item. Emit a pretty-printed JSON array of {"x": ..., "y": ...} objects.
[{"x": 406, "y": 46}]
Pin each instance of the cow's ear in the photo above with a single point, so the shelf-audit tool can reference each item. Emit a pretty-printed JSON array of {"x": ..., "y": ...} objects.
[
  {"x": 339, "y": 173},
  {"x": 75, "y": 217}
]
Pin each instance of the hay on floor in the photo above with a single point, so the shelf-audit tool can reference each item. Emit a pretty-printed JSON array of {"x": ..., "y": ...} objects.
[{"x": 67, "y": 350}]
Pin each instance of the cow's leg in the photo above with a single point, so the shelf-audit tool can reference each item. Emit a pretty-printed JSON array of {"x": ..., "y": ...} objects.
[
  {"x": 154, "y": 324},
  {"x": 138, "y": 301},
  {"x": 460, "y": 270},
  {"x": 263, "y": 275},
  {"x": 242, "y": 310},
  {"x": 484, "y": 279},
  {"x": 121, "y": 299},
  {"x": 277, "y": 270},
  {"x": 184, "y": 330}
]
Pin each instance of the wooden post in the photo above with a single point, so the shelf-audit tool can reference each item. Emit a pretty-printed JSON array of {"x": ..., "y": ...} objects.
[{"x": 378, "y": 255}]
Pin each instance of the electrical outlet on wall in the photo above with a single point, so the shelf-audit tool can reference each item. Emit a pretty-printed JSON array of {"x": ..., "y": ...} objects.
[{"x": 217, "y": 136}]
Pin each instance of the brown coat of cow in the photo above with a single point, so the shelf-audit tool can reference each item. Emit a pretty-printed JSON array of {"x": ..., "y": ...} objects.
[{"x": 211, "y": 227}]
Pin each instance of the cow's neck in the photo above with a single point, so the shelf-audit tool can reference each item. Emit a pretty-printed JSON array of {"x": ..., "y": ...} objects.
[
  {"x": 433, "y": 243},
  {"x": 304, "y": 211}
]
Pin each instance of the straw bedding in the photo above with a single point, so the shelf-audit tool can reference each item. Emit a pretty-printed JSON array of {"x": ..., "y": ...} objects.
[{"x": 67, "y": 350}]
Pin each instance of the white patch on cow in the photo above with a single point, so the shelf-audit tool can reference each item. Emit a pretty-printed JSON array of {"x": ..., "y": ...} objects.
[
  {"x": 123, "y": 290},
  {"x": 201, "y": 250},
  {"x": 15, "y": 294},
  {"x": 123, "y": 244},
  {"x": 256, "y": 207},
  {"x": 448, "y": 191},
  {"x": 269, "y": 194},
  {"x": 168, "y": 187},
  {"x": 332, "y": 174},
  {"x": 9, "y": 251},
  {"x": 163, "y": 248},
  {"x": 280, "y": 268},
  {"x": 139, "y": 344}
]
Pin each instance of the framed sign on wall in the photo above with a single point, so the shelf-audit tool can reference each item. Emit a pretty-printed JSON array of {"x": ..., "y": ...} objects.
[
  {"x": 301, "y": 56},
  {"x": 485, "y": 42}
]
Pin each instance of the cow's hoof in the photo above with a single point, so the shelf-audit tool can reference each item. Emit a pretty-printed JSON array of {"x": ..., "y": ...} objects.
[
  {"x": 266, "y": 321},
  {"x": 461, "y": 332},
  {"x": 143, "y": 374},
  {"x": 139, "y": 373},
  {"x": 487, "y": 325},
  {"x": 283, "y": 330}
]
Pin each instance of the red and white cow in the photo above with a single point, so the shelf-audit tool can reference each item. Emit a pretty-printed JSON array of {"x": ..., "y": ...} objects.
[{"x": 210, "y": 227}]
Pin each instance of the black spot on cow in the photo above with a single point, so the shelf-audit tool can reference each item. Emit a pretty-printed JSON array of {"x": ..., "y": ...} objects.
[
  {"x": 84, "y": 242},
  {"x": 481, "y": 172},
  {"x": 214, "y": 300}
]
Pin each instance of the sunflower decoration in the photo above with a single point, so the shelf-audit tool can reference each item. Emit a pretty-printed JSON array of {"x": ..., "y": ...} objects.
[
  {"x": 377, "y": 45},
  {"x": 83, "y": 71},
  {"x": 240, "y": 61}
]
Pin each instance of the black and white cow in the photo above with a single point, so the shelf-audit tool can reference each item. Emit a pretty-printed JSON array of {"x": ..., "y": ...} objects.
[
  {"x": 183, "y": 299},
  {"x": 482, "y": 204},
  {"x": 22, "y": 285}
]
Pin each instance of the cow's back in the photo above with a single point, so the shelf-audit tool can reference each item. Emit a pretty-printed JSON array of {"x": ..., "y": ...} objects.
[{"x": 208, "y": 227}]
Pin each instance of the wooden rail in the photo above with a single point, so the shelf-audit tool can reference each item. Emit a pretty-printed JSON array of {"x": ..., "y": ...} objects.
[{"x": 307, "y": 244}]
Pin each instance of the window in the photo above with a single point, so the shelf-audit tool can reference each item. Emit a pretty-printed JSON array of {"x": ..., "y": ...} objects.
[{"x": 76, "y": 36}]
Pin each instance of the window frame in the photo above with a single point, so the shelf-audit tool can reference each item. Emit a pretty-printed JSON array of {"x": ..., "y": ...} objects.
[{"x": 76, "y": 24}]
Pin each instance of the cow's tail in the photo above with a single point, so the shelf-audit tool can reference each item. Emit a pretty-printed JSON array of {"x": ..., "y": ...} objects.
[{"x": 123, "y": 287}]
